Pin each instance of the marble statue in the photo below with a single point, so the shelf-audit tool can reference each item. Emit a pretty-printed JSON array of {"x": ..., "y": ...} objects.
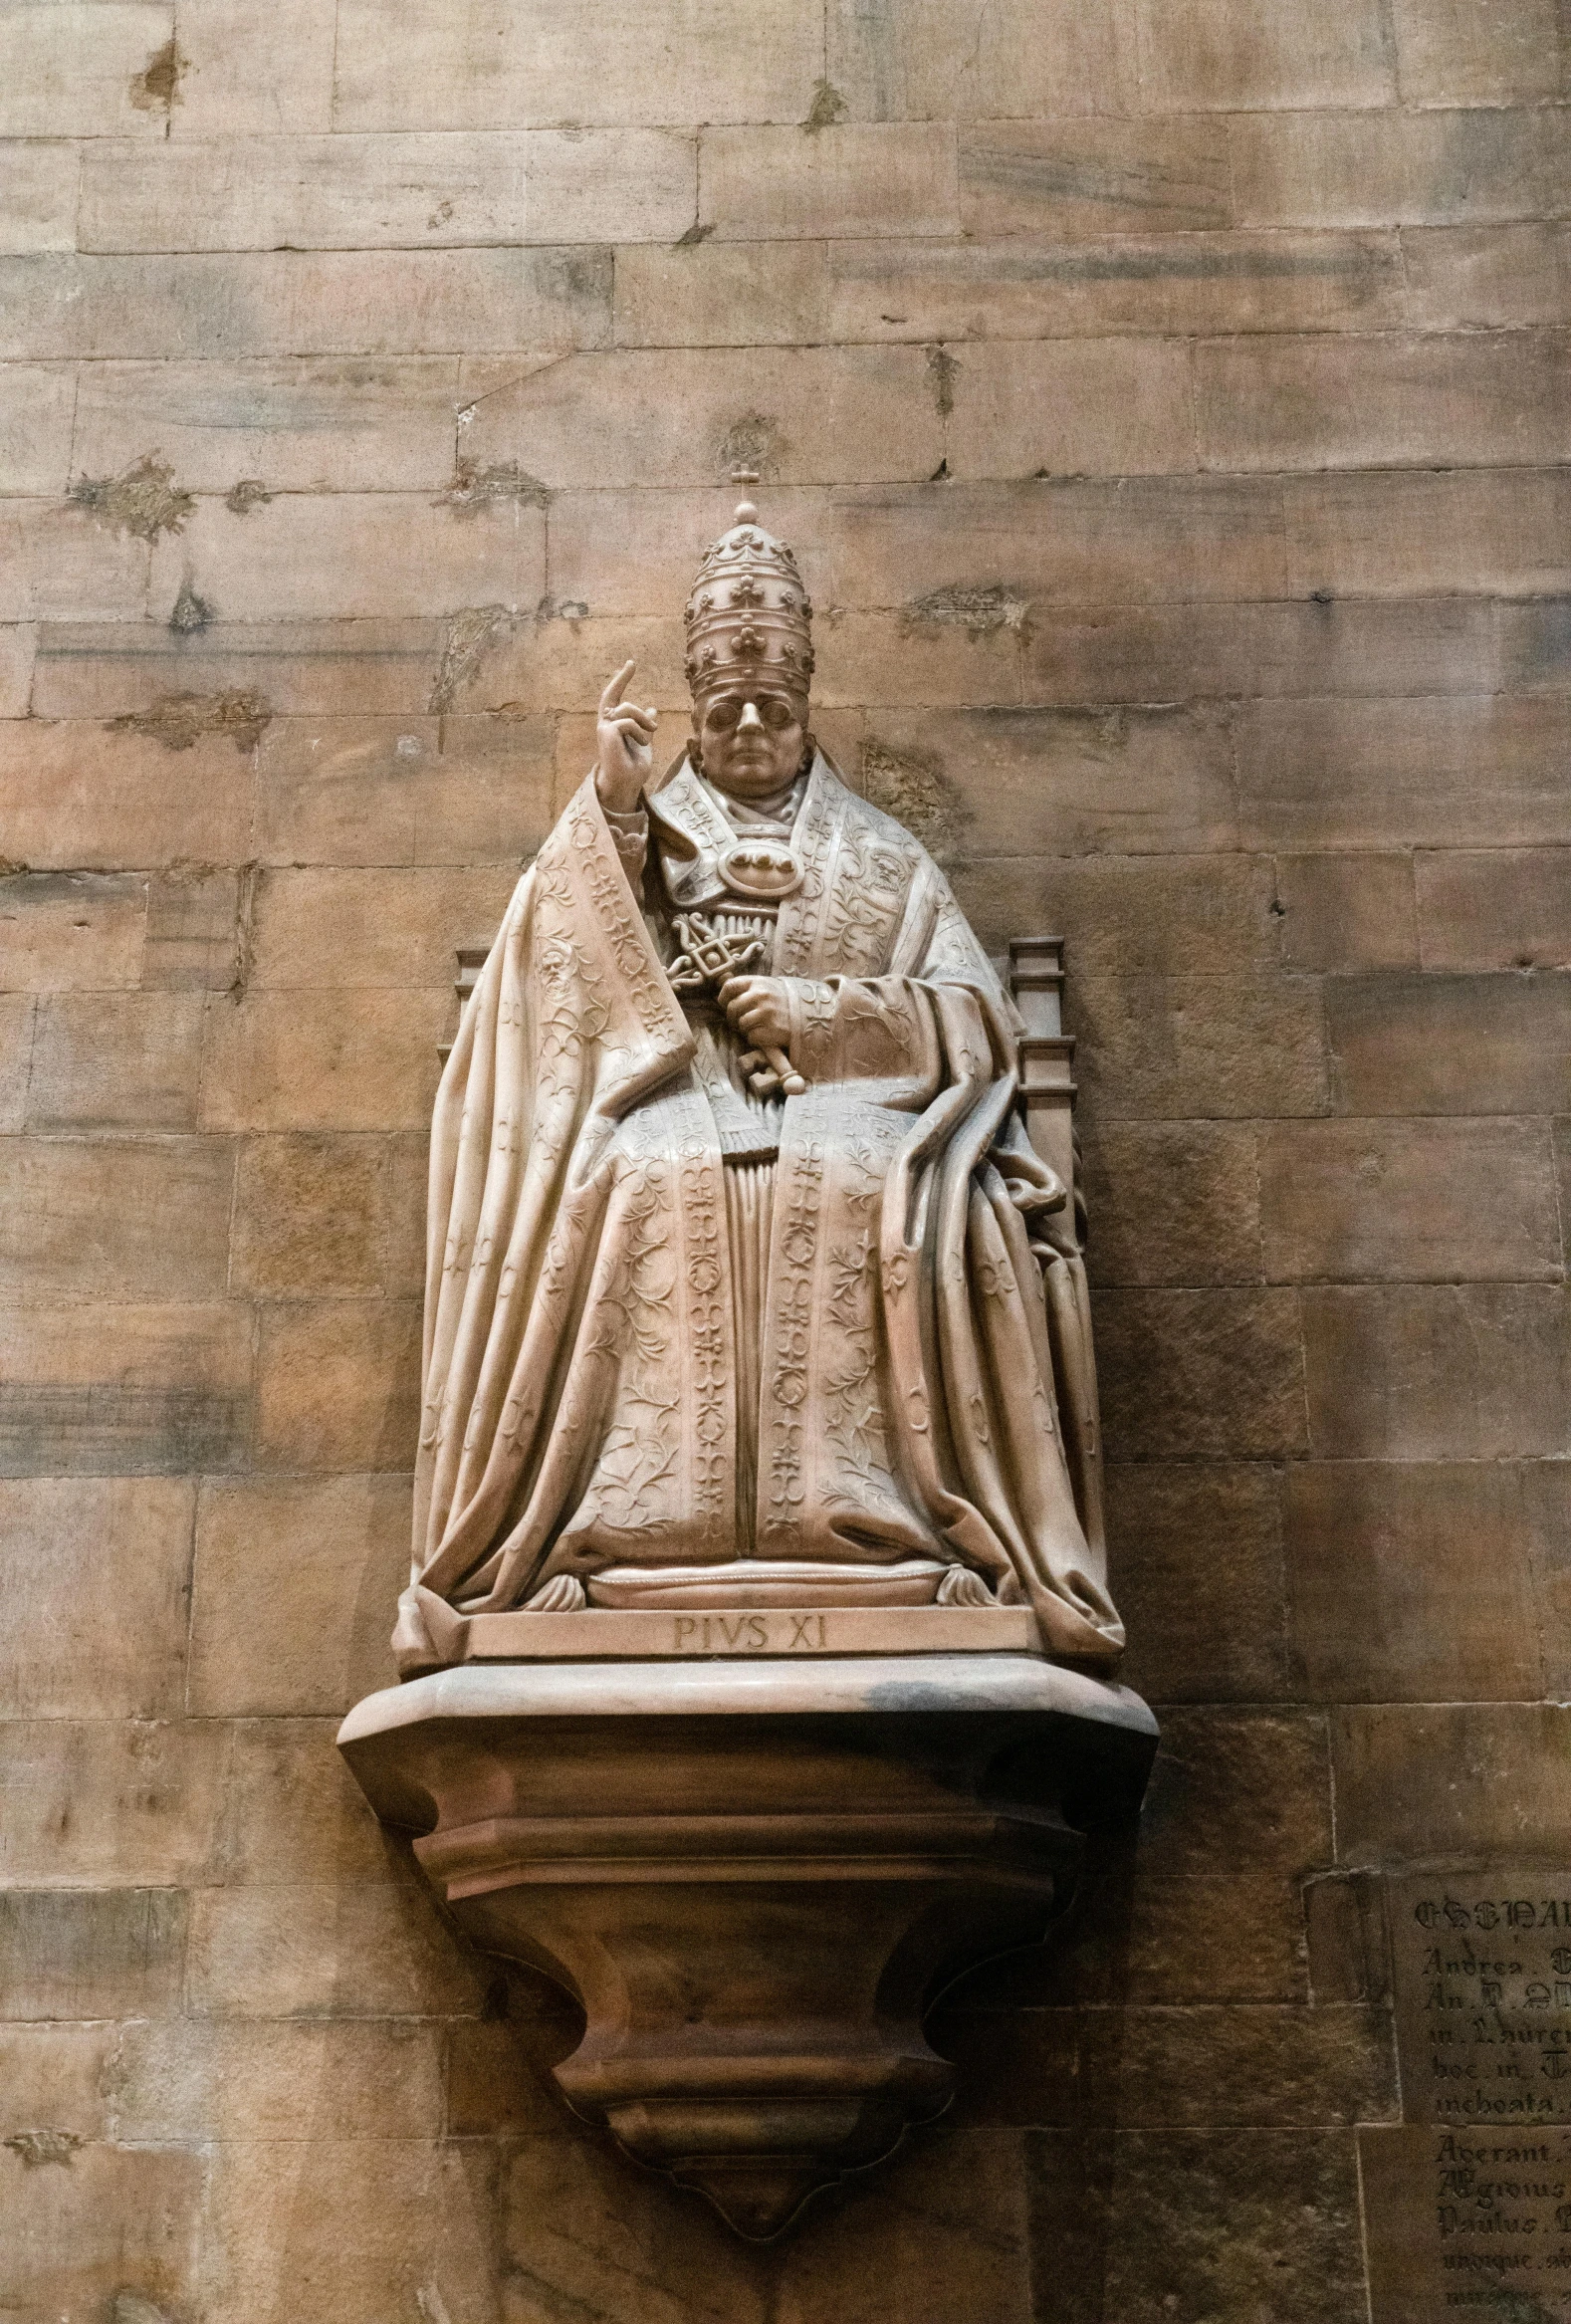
[
  {"x": 735, "y": 1290},
  {"x": 753, "y": 1671}
]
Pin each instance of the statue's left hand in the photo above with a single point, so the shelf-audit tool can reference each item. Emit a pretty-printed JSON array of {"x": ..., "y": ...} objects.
[{"x": 760, "y": 1008}]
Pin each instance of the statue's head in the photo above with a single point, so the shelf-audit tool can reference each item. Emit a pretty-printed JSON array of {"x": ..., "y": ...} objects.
[{"x": 750, "y": 661}]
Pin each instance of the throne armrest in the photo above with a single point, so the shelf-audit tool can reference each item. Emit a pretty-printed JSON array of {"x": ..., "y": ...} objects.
[
  {"x": 471, "y": 959},
  {"x": 1046, "y": 1052}
]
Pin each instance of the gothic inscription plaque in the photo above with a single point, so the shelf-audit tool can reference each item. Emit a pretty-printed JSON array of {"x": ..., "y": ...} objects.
[{"x": 1469, "y": 2205}]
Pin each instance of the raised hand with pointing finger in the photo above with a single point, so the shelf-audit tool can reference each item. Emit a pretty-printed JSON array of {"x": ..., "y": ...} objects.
[{"x": 624, "y": 754}]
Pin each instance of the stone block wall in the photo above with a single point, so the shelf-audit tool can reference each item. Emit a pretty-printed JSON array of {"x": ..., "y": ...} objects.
[{"x": 1168, "y": 399}]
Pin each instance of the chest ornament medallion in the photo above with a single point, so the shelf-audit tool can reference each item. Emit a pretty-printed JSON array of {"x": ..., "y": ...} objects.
[{"x": 762, "y": 870}]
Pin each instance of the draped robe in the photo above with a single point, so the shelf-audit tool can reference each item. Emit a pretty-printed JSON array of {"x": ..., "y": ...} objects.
[{"x": 583, "y": 1349}]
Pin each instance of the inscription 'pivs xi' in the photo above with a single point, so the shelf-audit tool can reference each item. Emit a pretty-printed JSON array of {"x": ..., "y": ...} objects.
[{"x": 751, "y": 1634}]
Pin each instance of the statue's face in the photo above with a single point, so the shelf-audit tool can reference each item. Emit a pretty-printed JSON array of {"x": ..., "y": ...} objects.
[{"x": 752, "y": 736}]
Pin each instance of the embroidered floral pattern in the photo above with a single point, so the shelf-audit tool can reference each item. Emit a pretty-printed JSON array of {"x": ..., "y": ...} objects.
[
  {"x": 606, "y": 891},
  {"x": 799, "y": 1245},
  {"x": 632, "y": 1332},
  {"x": 866, "y": 905},
  {"x": 706, "y": 1332},
  {"x": 854, "y": 1421},
  {"x": 812, "y": 843}
]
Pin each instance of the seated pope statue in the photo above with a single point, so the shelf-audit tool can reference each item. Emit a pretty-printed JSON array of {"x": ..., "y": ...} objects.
[{"x": 735, "y": 1290}]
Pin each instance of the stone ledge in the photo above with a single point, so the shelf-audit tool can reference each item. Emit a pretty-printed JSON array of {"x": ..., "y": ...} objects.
[
  {"x": 645, "y": 1634},
  {"x": 866, "y": 1683}
]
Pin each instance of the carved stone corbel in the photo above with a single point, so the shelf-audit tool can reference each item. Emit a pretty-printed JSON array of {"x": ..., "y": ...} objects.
[{"x": 754, "y": 1876}]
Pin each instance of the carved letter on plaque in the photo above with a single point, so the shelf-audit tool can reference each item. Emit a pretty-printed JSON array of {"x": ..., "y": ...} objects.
[{"x": 758, "y": 1609}]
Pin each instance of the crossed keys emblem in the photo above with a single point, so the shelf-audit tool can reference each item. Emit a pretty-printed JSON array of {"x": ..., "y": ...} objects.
[{"x": 703, "y": 965}]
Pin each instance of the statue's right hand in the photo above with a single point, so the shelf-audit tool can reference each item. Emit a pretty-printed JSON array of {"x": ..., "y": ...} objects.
[{"x": 623, "y": 754}]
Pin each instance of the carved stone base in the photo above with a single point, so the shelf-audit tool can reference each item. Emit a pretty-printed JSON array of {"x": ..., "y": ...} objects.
[
  {"x": 754, "y": 1876},
  {"x": 437, "y": 1635}
]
